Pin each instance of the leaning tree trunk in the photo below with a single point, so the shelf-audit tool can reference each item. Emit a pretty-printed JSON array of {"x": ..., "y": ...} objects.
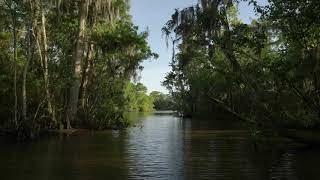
[{"x": 76, "y": 69}]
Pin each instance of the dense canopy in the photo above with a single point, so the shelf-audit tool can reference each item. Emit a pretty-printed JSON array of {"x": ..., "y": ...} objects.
[
  {"x": 66, "y": 64},
  {"x": 266, "y": 72}
]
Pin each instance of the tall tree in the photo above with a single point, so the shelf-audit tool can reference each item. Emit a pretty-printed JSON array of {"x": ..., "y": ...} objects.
[
  {"x": 108, "y": 10},
  {"x": 40, "y": 34}
]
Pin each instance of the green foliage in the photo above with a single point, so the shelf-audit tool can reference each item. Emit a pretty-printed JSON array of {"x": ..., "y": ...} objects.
[
  {"x": 137, "y": 99},
  {"x": 121, "y": 49},
  {"x": 112, "y": 48},
  {"x": 162, "y": 101},
  {"x": 266, "y": 71}
]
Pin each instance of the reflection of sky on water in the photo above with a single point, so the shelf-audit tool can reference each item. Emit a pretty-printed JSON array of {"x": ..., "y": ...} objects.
[
  {"x": 156, "y": 150},
  {"x": 163, "y": 147},
  {"x": 167, "y": 147}
]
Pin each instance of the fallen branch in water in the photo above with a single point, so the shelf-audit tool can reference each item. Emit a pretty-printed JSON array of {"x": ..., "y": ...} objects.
[
  {"x": 309, "y": 137},
  {"x": 229, "y": 110}
]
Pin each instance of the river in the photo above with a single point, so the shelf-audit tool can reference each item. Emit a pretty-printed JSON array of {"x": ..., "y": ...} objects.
[{"x": 161, "y": 146}]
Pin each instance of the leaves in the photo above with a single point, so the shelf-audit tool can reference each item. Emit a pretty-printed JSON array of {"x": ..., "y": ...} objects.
[{"x": 278, "y": 56}]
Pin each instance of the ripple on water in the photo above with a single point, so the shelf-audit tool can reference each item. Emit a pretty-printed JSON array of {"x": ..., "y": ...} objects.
[{"x": 162, "y": 147}]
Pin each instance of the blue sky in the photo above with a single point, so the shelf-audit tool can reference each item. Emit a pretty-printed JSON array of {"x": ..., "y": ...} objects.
[{"x": 152, "y": 15}]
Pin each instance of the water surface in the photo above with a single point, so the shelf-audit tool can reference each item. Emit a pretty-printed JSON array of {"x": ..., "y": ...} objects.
[{"x": 161, "y": 146}]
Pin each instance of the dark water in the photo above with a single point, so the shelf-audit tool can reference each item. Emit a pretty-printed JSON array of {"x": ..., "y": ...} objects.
[{"x": 160, "y": 147}]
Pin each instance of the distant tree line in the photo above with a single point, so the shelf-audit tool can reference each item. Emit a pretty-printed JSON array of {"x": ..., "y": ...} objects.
[
  {"x": 138, "y": 100},
  {"x": 162, "y": 101}
]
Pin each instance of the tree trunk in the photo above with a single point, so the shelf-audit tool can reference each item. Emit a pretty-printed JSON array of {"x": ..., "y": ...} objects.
[
  {"x": 15, "y": 121},
  {"x": 228, "y": 48},
  {"x": 41, "y": 42},
  {"x": 231, "y": 103},
  {"x": 316, "y": 74},
  {"x": 58, "y": 6},
  {"x": 86, "y": 75},
  {"x": 24, "y": 81},
  {"x": 51, "y": 108},
  {"x": 77, "y": 60}
]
